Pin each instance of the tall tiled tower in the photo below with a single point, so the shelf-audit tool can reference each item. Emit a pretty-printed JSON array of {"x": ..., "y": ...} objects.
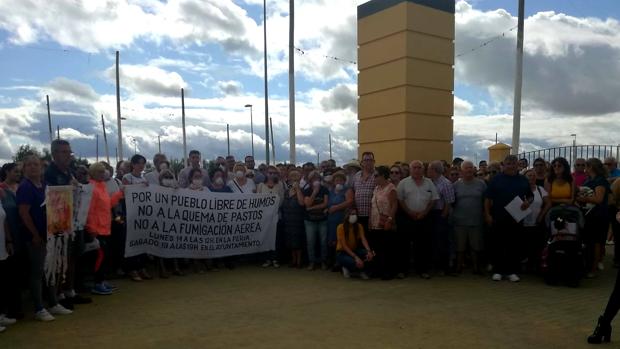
[{"x": 406, "y": 79}]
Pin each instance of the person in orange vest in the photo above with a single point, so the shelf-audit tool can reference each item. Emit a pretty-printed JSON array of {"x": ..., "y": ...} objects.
[{"x": 99, "y": 222}]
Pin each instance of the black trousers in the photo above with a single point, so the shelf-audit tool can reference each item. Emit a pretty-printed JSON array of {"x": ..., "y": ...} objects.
[
  {"x": 10, "y": 291},
  {"x": 422, "y": 237},
  {"x": 507, "y": 242},
  {"x": 385, "y": 246},
  {"x": 613, "y": 305}
]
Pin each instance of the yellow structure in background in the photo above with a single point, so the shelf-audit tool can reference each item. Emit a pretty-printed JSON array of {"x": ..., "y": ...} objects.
[
  {"x": 406, "y": 79},
  {"x": 498, "y": 152}
]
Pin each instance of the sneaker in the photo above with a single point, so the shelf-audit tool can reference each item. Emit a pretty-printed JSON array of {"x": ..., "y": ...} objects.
[
  {"x": 346, "y": 273},
  {"x": 600, "y": 266},
  {"x": 135, "y": 276},
  {"x": 44, "y": 315},
  {"x": 276, "y": 264},
  {"x": 496, "y": 277},
  {"x": 514, "y": 278},
  {"x": 310, "y": 266},
  {"x": 67, "y": 303},
  {"x": 590, "y": 275},
  {"x": 2, "y": 329},
  {"x": 101, "y": 290},
  {"x": 6, "y": 321},
  {"x": 324, "y": 266},
  {"x": 364, "y": 276},
  {"x": 60, "y": 310},
  {"x": 267, "y": 264},
  {"x": 425, "y": 276},
  {"x": 400, "y": 276}
]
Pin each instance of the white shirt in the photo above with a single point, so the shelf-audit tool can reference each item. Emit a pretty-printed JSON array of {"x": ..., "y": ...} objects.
[
  {"x": 535, "y": 206},
  {"x": 248, "y": 188},
  {"x": 152, "y": 177},
  {"x": 417, "y": 197}
]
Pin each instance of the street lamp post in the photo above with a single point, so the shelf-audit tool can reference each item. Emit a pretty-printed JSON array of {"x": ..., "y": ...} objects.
[
  {"x": 251, "y": 126},
  {"x": 574, "y": 159}
]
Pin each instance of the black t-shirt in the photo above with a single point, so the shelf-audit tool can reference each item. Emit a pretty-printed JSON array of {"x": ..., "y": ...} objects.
[
  {"x": 502, "y": 190},
  {"x": 54, "y": 176},
  {"x": 316, "y": 215},
  {"x": 600, "y": 210}
]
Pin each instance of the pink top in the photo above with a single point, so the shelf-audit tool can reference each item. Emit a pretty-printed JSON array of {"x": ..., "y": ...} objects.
[
  {"x": 380, "y": 204},
  {"x": 579, "y": 178}
]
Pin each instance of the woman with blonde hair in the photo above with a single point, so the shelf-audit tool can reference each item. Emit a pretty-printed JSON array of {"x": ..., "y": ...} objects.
[{"x": 240, "y": 183}]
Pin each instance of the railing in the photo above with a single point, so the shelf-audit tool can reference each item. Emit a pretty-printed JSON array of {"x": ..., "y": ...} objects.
[{"x": 571, "y": 153}]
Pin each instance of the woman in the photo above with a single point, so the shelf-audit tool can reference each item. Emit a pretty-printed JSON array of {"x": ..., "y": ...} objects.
[
  {"x": 218, "y": 181},
  {"x": 196, "y": 179},
  {"x": 137, "y": 264},
  {"x": 339, "y": 200},
  {"x": 395, "y": 175},
  {"x": 6, "y": 274},
  {"x": 241, "y": 184},
  {"x": 597, "y": 217},
  {"x": 316, "y": 198},
  {"x": 382, "y": 235},
  {"x": 602, "y": 332},
  {"x": 30, "y": 199},
  {"x": 404, "y": 170},
  {"x": 18, "y": 260},
  {"x": 293, "y": 217},
  {"x": 559, "y": 183},
  {"x": 99, "y": 223},
  {"x": 166, "y": 179},
  {"x": 353, "y": 251},
  {"x": 273, "y": 185},
  {"x": 534, "y": 228}
]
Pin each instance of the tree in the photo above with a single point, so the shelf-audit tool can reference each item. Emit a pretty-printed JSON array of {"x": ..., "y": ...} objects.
[{"x": 25, "y": 150}]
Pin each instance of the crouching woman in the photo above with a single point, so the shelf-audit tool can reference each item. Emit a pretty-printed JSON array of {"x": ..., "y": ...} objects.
[{"x": 353, "y": 252}]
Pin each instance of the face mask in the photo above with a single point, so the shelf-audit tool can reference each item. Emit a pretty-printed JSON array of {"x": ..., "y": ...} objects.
[
  {"x": 168, "y": 182},
  {"x": 239, "y": 174},
  {"x": 219, "y": 181},
  {"x": 197, "y": 182},
  {"x": 317, "y": 184},
  {"x": 106, "y": 175},
  {"x": 339, "y": 187},
  {"x": 222, "y": 167},
  {"x": 328, "y": 178},
  {"x": 353, "y": 219},
  {"x": 163, "y": 167}
]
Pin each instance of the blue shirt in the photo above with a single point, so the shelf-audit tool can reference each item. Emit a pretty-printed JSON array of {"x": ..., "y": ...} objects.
[
  {"x": 29, "y": 194},
  {"x": 502, "y": 190},
  {"x": 615, "y": 173}
]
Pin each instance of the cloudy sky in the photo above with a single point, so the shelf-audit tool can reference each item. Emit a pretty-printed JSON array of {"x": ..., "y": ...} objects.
[{"x": 213, "y": 49}]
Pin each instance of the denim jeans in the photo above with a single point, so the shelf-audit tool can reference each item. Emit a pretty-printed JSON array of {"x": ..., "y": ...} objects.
[
  {"x": 348, "y": 262},
  {"x": 316, "y": 231},
  {"x": 37, "y": 254}
]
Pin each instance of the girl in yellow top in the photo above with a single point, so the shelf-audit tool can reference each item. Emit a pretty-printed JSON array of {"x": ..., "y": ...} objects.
[
  {"x": 353, "y": 252},
  {"x": 559, "y": 183}
]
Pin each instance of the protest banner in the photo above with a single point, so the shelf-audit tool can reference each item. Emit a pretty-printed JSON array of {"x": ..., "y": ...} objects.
[
  {"x": 182, "y": 223},
  {"x": 59, "y": 210}
]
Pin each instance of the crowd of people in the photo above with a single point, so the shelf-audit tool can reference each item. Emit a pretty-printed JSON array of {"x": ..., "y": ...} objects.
[{"x": 359, "y": 219}]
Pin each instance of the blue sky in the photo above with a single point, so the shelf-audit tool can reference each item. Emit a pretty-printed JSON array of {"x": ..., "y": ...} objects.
[{"x": 213, "y": 49}]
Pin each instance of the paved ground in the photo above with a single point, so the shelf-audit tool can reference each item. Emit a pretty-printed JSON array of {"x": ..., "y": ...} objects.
[{"x": 255, "y": 308}]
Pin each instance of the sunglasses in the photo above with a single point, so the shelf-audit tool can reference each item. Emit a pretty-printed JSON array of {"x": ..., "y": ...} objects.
[
  {"x": 608, "y": 164},
  {"x": 537, "y": 165},
  {"x": 394, "y": 172},
  {"x": 580, "y": 165}
]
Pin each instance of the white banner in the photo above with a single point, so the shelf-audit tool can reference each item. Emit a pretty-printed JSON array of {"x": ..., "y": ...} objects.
[{"x": 182, "y": 223}]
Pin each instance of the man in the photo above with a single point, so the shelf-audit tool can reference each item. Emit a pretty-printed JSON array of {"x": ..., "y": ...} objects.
[
  {"x": 612, "y": 167},
  {"x": 456, "y": 162},
  {"x": 523, "y": 165},
  {"x": 305, "y": 170},
  {"x": 506, "y": 231},
  {"x": 440, "y": 216},
  {"x": 194, "y": 162},
  {"x": 351, "y": 168},
  {"x": 482, "y": 166},
  {"x": 363, "y": 186},
  {"x": 540, "y": 169},
  {"x": 58, "y": 173},
  {"x": 153, "y": 176},
  {"x": 467, "y": 216},
  {"x": 580, "y": 175},
  {"x": 417, "y": 196},
  {"x": 230, "y": 163},
  {"x": 259, "y": 177},
  {"x": 331, "y": 164}
]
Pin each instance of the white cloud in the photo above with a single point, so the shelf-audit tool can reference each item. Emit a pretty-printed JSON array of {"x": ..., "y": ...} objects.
[
  {"x": 143, "y": 79},
  {"x": 461, "y": 106},
  {"x": 72, "y": 134}
]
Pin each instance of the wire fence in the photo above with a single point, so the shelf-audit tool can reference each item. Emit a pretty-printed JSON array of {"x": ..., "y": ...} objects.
[{"x": 570, "y": 153}]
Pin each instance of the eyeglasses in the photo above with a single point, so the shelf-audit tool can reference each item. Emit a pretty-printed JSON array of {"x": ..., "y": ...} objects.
[
  {"x": 580, "y": 165},
  {"x": 608, "y": 164},
  {"x": 394, "y": 172},
  {"x": 539, "y": 164}
]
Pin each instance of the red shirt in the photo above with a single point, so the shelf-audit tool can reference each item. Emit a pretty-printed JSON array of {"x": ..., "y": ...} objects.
[{"x": 579, "y": 178}]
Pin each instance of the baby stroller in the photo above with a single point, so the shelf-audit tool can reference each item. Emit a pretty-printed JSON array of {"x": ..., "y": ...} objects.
[{"x": 563, "y": 258}]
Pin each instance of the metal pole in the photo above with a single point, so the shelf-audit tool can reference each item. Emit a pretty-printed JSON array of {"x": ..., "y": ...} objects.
[
  {"x": 251, "y": 126},
  {"x": 116, "y": 154},
  {"x": 105, "y": 140},
  {"x": 159, "y": 143},
  {"x": 266, "y": 83},
  {"x": 118, "y": 111},
  {"x": 183, "y": 122},
  {"x": 58, "y": 131},
  {"x": 291, "y": 81},
  {"x": 330, "y": 146},
  {"x": 228, "y": 137},
  {"x": 49, "y": 118},
  {"x": 516, "y": 118},
  {"x": 273, "y": 146}
]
